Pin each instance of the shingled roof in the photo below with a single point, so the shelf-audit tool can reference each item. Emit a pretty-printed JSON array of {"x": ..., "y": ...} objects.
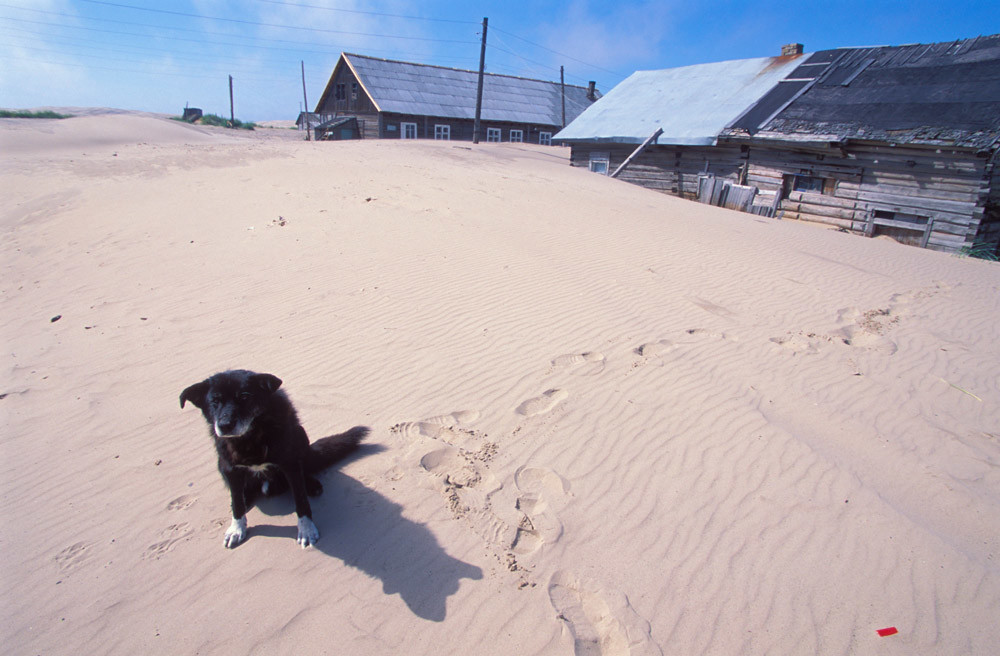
[
  {"x": 426, "y": 90},
  {"x": 936, "y": 94}
]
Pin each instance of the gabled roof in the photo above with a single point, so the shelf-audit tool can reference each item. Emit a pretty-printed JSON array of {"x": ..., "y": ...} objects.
[
  {"x": 692, "y": 103},
  {"x": 422, "y": 89},
  {"x": 936, "y": 94}
]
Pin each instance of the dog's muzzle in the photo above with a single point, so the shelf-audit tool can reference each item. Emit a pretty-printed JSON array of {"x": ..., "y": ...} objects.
[{"x": 230, "y": 429}]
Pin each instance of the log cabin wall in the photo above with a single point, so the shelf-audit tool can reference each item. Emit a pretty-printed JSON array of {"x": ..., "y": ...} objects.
[
  {"x": 925, "y": 196},
  {"x": 670, "y": 169},
  {"x": 989, "y": 229},
  {"x": 931, "y": 197}
]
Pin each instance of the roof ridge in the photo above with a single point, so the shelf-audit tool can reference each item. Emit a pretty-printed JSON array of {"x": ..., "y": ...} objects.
[{"x": 461, "y": 70}]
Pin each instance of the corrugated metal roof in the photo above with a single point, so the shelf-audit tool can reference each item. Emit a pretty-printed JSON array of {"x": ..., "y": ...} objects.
[
  {"x": 692, "y": 103},
  {"x": 407, "y": 88}
]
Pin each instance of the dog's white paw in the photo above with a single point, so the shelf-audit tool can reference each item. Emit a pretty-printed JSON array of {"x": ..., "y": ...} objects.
[
  {"x": 308, "y": 533},
  {"x": 236, "y": 532}
]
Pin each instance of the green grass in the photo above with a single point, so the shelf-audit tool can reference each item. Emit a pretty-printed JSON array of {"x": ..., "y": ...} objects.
[
  {"x": 981, "y": 251},
  {"x": 20, "y": 113},
  {"x": 213, "y": 119}
]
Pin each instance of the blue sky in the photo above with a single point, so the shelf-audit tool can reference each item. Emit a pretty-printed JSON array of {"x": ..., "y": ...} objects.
[{"x": 159, "y": 55}]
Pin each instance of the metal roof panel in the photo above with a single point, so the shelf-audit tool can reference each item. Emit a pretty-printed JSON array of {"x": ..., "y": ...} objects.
[{"x": 692, "y": 104}]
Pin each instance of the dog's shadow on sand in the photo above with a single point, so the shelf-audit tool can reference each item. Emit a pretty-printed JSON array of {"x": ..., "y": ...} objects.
[{"x": 368, "y": 531}]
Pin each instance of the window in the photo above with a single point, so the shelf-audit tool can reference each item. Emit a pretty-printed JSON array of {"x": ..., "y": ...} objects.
[
  {"x": 442, "y": 132},
  {"x": 516, "y": 136},
  {"x": 354, "y": 90},
  {"x": 340, "y": 92},
  {"x": 600, "y": 162},
  {"x": 409, "y": 130},
  {"x": 492, "y": 135},
  {"x": 545, "y": 138},
  {"x": 808, "y": 183}
]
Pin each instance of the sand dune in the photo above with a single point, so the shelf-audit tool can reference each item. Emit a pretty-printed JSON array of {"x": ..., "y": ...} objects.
[{"x": 604, "y": 420}]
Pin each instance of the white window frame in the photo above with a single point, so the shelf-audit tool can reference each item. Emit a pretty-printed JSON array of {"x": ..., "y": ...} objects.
[
  {"x": 407, "y": 130},
  {"x": 517, "y": 136},
  {"x": 493, "y": 135},
  {"x": 545, "y": 138},
  {"x": 442, "y": 132},
  {"x": 600, "y": 162}
]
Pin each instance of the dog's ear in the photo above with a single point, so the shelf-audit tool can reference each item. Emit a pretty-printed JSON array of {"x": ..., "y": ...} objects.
[
  {"x": 196, "y": 394},
  {"x": 267, "y": 382}
]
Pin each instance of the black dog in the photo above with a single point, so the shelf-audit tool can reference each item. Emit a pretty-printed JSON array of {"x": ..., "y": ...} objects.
[{"x": 262, "y": 447}]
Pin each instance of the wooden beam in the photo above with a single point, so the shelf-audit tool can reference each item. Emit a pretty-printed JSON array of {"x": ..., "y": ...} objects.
[{"x": 635, "y": 153}]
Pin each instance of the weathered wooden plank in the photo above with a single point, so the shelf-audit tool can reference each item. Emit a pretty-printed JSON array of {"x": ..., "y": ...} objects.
[
  {"x": 739, "y": 197},
  {"x": 816, "y": 218},
  {"x": 821, "y": 199},
  {"x": 822, "y": 210},
  {"x": 952, "y": 242},
  {"x": 893, "y": 200}
]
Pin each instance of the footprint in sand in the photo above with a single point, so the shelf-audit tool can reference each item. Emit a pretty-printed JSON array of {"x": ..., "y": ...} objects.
[
  {"x": 655, "y": 349},
  {"x": 72, "y": 556},
  {"x": 542, "y": 404},
  {"x": 589, "y": 363},
  {"x": 447, "y": 428},
  {"x": 463, "y": 477},
  {"x": 182, "y": 502},
  {"x": 541, "y": 493},
  {"x": 455, "y": 467},
  {"x": 599, "y": 628},
  {"x": 808, "y": 343},
  {"x": 711, "y": 307},
  {"x": 867, "y": 329},
  {"x": 172, "y": 535}
]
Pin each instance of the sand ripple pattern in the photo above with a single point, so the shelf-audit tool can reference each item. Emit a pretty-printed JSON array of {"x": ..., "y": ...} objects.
[{"x": 605, "y": 420}]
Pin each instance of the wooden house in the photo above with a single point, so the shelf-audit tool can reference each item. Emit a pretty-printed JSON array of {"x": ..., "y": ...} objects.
[
  {"x": 897, "y": 140},
  {"x": 402, "y": 100}
]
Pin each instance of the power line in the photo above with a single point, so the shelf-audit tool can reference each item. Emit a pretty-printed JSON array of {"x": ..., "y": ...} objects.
[
  {"x": 135, "y": 51},
  {"x": 561, "y": 54},
  {"x": 201, "y": 41},
  {"x": 514, "y": 54},
  {"x": 297, "y": 45},
  {"x": 124, "y": 70},
  {"x": 368, "y": 13},
  {"x": 259, "y": 24}
]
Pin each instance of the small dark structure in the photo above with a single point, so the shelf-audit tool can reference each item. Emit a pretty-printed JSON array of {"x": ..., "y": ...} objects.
[
  {"x": 338, "y": 129},
  {"x": 897, "y": 140},
  {"x": 402, "y": 100},
  {"x": 192, "y": 114}
]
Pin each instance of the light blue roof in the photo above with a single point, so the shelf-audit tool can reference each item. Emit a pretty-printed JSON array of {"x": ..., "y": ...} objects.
[{"x": 691, "y": 103}]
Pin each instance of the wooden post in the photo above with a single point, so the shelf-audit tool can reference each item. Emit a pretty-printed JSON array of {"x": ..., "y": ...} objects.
[
  {"x": 305, "y": 102},
  {"x": 232, "y": 115},
  {"x": 479, "y": 88},
  {"x": 562, "y": 89},
  {"x": 635, "y": 153}
]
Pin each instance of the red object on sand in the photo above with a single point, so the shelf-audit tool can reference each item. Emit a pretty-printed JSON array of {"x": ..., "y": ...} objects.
[{"x": 887, "y": 632}]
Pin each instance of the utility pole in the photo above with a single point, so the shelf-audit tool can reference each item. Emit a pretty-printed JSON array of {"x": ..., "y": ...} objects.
[
  {"x": 479, "y": 88},
  {"x": 305, "y": 102},
  {"x": 232, "y": 115},
  {"x": 562, "y": 88}
]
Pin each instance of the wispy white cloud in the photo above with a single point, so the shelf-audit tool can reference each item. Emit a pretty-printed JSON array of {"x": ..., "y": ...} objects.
[
  {"x": 610, "y": 36},
  {"x": 38, "y": 70}
]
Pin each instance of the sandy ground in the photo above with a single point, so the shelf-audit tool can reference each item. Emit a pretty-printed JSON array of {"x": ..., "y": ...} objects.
[{"x": 604, "y": 420}]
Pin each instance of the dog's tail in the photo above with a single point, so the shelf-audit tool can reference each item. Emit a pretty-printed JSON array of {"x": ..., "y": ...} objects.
[{"x": 328, "y": 450}]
